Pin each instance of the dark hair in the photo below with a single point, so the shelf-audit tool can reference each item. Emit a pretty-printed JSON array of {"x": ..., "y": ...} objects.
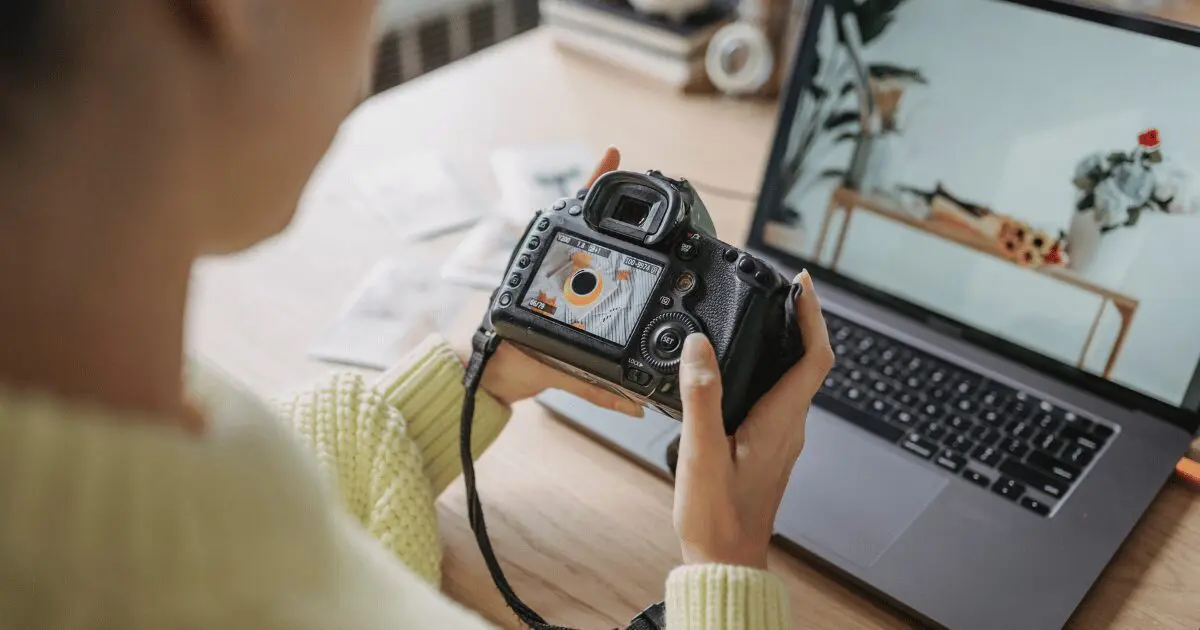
[{"x": 24, "y": 31}]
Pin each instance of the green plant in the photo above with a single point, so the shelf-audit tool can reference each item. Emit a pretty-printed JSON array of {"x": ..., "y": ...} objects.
[{"x": 838, "y": 102}]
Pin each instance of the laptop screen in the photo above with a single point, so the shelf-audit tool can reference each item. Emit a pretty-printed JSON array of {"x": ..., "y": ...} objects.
[{"x": 1032, "y": 175}]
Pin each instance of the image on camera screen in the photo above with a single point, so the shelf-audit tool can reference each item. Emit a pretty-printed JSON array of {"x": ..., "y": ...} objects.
[{"x": 592, "y": 288}]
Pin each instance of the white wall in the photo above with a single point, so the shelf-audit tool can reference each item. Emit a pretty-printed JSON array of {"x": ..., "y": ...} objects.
[{"x": 1015, "y": 99}]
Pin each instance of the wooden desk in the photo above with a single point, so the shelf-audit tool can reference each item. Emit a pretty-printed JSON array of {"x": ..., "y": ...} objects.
[
  {"x": 585, "y": 536},
  {"x": 847, "y": 201}
]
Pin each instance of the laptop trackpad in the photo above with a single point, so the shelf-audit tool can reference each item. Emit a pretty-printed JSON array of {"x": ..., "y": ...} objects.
[{"x": 851, "y": 493}]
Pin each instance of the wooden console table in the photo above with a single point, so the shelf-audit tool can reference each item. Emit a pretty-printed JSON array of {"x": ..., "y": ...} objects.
[{"x": 848, "y": 201}]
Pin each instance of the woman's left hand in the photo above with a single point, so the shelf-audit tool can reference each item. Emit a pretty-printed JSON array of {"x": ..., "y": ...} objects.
[{"x": 512, "y": 375}]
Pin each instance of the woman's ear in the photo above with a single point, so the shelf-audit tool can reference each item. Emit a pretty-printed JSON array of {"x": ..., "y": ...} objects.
[{"x": 224, "y": 25}]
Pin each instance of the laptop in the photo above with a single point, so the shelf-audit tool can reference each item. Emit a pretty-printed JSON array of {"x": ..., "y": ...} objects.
[{"x": 1006, "y": 254}]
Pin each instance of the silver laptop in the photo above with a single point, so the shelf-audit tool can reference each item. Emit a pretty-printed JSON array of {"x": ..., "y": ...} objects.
[{"x": 999, "y": 200}]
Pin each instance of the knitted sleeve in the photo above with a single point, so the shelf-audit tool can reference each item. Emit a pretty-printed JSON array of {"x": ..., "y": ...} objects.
[
  {"x": 392, "y": 448},
  {"x": 721, "y": 597}
]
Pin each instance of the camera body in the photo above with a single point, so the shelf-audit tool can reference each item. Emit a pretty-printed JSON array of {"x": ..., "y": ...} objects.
[{"x": 608, "y": 284}]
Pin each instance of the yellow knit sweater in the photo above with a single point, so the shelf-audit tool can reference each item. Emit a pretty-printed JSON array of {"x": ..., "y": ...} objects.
[{"x": 107, "y": 524}]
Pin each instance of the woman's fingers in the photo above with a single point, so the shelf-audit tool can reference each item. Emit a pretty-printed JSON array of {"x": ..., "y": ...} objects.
[
  {"x": 700, "y": 388},
  {"x": 594, "y": 394},
  {"x": 782, "y": 410},
  {"x": 610, "y": 162}
]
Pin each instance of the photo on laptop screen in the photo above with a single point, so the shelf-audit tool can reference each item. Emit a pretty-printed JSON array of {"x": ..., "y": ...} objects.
[{"x": 1031, "y": 175}]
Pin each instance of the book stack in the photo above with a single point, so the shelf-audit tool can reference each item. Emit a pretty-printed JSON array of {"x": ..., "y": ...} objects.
[{"x": 655, "y": 47}]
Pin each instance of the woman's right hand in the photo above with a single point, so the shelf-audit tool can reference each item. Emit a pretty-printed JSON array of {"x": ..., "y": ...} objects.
[{"x": 727, "y": 490}]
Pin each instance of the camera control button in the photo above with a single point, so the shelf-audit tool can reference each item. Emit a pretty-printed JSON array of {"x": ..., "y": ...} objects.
[
  {"x": 685, "y": 283},
  {"x": 543, "y": 224},
  {"x": 582, "y": 194},
  {"x": 747, "y": 265},
  {"x": 575, "y": 210},
  {"x": 505, "y": 299},
  {"x": 514, "y": 280},
  {"x": 668, "y": 341},
  {"x": 762, "y": 276},
  {"x": 662, "y": 341},
  {"x": 731, "y": 255},
  {"x": 559, "y": 205},
  {"x": 687, "y": 250},
  {"x": 638, "y": 377},
  {"x": 665, "y": 301},
  {"x": 524, "y": 261},
  {"x": 534, "y": 242}
]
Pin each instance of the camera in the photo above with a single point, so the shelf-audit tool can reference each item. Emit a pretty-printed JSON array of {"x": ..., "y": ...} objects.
[{"x": 606, "y": 286}]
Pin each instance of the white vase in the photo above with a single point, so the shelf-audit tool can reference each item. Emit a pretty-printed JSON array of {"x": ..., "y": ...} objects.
[
  {"x": 1102, "y": 258},
  {"x": 676, "y": 10}
]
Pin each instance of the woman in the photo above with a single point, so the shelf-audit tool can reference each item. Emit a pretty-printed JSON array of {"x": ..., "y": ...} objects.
[{"x": 137, "y": 492}]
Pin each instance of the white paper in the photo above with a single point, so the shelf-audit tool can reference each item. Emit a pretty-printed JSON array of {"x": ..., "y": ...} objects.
[
  {"x": 480, "y": 260},
  {"x": 421, "y": 195},
  {"x": 396, "y": 306},
  {"x": 534, "y": 177}
]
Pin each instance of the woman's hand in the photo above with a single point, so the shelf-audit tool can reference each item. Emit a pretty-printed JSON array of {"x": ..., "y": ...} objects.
[
  {"x": 512, "y": 375},
  {"x": 727, "y": 490}
]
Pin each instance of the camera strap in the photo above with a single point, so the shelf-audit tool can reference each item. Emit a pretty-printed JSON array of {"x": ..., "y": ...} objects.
[{"x": 483, "y": 346}]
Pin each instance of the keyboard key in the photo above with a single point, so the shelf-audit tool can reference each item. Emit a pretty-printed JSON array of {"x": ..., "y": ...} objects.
[
  {"x": 959, "y": 424},
  {"x": 1019, "y": 430},
  {"x": 880, "y": 407},
  {"x": 951, "y": 461},
  {"x": 1049, "y": 444},
  {"x": 1053, "y": 467},
  {"x": 1008, "y": 488},
  {"x": 1078, "y": 456},
  {"x": 934, "y": 430},
  {"x": 889, "y": 370},
  {"x": 904, "y": 417},
  {"x": 1088, "y": 441},
  {"x": 993, "y": 418},
  {"x": 883, "y": 388},
  {"x": 856, "y": 375},
  {"x": 859, "y": 417},
  {"x": 919, "y": 446},
  {"x": 941, "y": 395},
  {"x": 908, "y": 399},
  {"x": 1047, "y": 422},
  {"x": 912, "y": 382},
  {"x": 965, "y": 405},
  {"x": 854, "y": 396},
  {"x": 958, "y": 442},
  {"x": 991, "y": 399},
  {"x": 1033, "y": 478},
  {"x": 1035, "y": 506},
  {"x": 1102, "y": 431},
  {"x": 977, "y": 478},
  {"x": 1014, "y": 447},
  {"x": 987, "y": 455},
  {"x": 933, "y": 410},
  {"x": 979, "y": 432}
]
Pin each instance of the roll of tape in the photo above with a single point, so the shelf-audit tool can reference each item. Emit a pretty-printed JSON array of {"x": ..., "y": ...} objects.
[{"x": 739, "y": 59}]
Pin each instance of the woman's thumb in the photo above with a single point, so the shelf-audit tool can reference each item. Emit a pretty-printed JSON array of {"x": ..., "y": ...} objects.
[{"x": 700, "y": 389}]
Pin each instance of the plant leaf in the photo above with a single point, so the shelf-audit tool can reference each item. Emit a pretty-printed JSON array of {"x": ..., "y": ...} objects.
[
  {"x": 890, "y": 71},
  {"x": 838, "y": 119}
]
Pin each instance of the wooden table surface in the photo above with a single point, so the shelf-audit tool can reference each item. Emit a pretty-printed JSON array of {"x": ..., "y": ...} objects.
[{"x": 585, "y": 535}]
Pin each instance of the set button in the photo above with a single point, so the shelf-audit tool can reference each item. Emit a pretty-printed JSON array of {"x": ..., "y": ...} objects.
[
  {"x": 514, "y": 280},
  {"x": 505, "y": 299},
  {"x": 534, "y": 242},
  {"x": 524, "y": 261}
]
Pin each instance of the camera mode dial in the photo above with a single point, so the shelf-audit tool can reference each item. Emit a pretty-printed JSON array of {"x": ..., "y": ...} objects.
[{"x": 662, "y": 341}]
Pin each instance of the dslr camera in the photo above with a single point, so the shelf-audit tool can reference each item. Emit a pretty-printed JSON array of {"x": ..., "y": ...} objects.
[{"x": 606, "y": 286}]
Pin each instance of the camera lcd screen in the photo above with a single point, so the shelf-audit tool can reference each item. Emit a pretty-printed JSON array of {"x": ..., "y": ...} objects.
[{"x": 592, "y": 288}]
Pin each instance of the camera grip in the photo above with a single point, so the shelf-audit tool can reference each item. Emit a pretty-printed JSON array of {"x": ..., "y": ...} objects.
[{"x": 779, "y": 347}]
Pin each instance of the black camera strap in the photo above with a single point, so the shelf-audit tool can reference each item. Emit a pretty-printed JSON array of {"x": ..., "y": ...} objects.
[{"x": 483, "y": 346}]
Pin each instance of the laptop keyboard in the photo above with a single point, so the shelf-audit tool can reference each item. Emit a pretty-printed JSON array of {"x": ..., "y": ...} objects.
[{"x": 1024, "y": 449}]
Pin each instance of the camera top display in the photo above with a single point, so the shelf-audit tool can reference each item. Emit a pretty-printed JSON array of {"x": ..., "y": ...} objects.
[{"x": 608, "y": 284}]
